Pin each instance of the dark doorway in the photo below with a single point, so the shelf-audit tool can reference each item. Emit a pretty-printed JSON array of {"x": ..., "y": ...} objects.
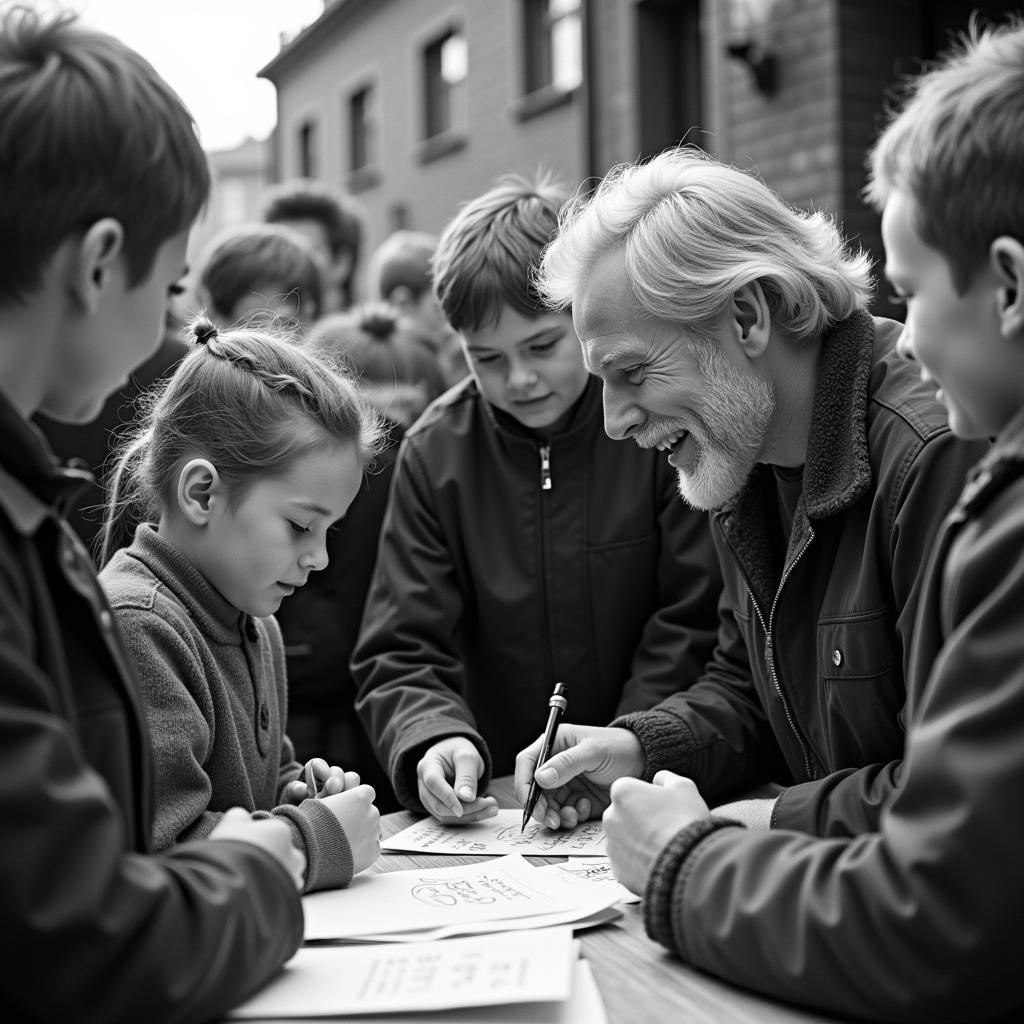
[{"x": 669, "y": 63}]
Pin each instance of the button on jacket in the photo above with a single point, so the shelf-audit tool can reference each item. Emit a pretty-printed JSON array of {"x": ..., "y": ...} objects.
[
  {"x": 91, "y": 925},
  {"x": 510, "y": 562}
]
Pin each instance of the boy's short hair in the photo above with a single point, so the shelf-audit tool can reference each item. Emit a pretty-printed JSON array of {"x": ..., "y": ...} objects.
[
  {"x": 88, "y": 130},
  {"x": 487, "y": 255},
  {"x": 402, "y": 260},
  {"x": 248, "y": 258},
  {"x": 309, "y": 199},
  {"x": 956, "y": 148}
]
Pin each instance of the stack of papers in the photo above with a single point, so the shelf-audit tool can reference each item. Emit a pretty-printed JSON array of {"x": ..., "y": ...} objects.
[
  {"x": 516, "y": 978},
  {"x": 499, "y": 835},
  {"x": 497, "y": 895}
]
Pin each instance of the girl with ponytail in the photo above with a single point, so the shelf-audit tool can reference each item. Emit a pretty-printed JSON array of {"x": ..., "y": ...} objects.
[{"x": 240, "y": 463}]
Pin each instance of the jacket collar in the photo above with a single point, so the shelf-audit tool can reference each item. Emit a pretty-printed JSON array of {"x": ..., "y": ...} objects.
[
  {"x": 33, "y": 485},
  {"x": 837, "y": 469},
  {"x": 587, "y": 406},
  {"x": 1003, "y": 462}
]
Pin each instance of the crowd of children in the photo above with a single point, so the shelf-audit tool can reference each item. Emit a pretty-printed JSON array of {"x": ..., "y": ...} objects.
[{"x": 348, "y": 549}]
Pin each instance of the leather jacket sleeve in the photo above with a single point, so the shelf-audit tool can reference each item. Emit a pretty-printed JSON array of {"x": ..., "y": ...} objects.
[
  {"x": 90, "y": 930},
  {"x": 920, "y": 919},
  {"x": 406, "y": 663},
  {"x": 715, "y": 732}
]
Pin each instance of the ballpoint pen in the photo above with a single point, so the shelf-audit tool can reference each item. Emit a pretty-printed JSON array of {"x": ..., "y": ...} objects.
[
  {"x": 310, "y": 781},
  {"x": 557, "y": 705}
]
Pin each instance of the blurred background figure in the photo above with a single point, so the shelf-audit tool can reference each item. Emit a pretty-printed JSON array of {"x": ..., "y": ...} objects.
[
  {"x": 332, "y": 224},
  {"x": 260, "y": 268},
  {"x": 399, "y": 273},
  {"x": 385, "y": 351},
  {"x": 320, "y": 621}
]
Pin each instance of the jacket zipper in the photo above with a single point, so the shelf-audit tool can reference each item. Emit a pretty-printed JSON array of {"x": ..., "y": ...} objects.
[
  {"x": 545, "y": 485},
  {"x": 770, "y": 654}
]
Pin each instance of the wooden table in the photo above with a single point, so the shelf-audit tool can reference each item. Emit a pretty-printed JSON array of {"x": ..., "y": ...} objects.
[{"x": 639, "y": 980}]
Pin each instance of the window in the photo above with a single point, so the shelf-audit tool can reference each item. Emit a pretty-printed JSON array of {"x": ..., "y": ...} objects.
[
  {"x": 307, "y": 149},
  {"x": 553, "y": 45},
  {"x": 445, "y": 63},
  {"x": 362, "y": 129}
]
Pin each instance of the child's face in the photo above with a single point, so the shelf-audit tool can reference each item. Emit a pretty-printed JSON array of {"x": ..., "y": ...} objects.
[
  {"x": 530, "y": 367},
  {"x": 125, "y": 330},
  {"x": 956, "y": 339},
  {"x": 258, "y": 552}
]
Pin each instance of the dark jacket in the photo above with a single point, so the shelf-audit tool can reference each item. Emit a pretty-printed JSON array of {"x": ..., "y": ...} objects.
[
  {"x": 508, "y": 564},
  {"x": 807, "y": 683},
  {"x": 320, "y": 624},
  {"x": 93, "y": 927},
  {"x": 921, "y": 920}
]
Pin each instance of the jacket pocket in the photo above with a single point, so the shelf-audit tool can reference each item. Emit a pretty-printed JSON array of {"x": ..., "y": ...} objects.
[{"x": 863, "y": 689}]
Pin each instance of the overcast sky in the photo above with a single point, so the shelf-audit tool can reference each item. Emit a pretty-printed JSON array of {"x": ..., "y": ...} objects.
[{"x": 209, "y": 51}]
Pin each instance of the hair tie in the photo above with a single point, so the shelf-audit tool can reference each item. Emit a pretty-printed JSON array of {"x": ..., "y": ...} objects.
[{"x": 204, "y": 331}]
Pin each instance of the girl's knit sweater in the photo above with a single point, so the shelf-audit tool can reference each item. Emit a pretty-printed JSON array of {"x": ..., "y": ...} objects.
[{"x": 215, "y": 696}]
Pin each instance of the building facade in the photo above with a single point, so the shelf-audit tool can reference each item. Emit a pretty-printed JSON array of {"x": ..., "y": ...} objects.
[{"x": 414, "y": 106}]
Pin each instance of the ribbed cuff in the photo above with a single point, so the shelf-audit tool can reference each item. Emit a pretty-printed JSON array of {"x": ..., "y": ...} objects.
[
  {"x": 319, "y": 835},
  {"x": 665, "y": 738},
  {"x": 661, "y": 885}
]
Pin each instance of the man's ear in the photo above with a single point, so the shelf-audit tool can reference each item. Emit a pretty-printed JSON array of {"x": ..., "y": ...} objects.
[
  {"x": 198, "y": 490},
  {"x": 94, "y": 259},
  {"x": 751, "y": 320},
  {"x": 1006, "y": 259}
]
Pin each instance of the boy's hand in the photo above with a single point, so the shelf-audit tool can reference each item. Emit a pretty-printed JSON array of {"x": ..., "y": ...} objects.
[
  {"x": 643, "y": 818},
  {"x": 269, "y": 834},
  {"x": 329, "y": 779},
  {"x": 448, "y": 774},
  {"x": 575, "y": 780},
  {"x": 358, "y": 816}
]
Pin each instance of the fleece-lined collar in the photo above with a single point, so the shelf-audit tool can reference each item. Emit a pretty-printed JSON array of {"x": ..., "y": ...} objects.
[
  {"x": 837, "y": 469},
  {"x": 217, "y": 618}
]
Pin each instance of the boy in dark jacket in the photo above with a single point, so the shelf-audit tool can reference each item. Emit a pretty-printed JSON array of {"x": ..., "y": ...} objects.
[
  {"x": 101, "y": 175},
  {"x": 521, "y": 547},
  {"x": 917, "y": 919}
]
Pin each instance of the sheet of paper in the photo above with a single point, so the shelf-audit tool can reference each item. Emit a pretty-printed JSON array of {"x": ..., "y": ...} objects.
[
  {"x": 584, "y": 1006},
  {"x": 597, "y": 871},
  {"x": 500, "y": 834},
  {"x": 572, "y": 918},
  {"x": 324, "y": 981},
  {"x": 406, "y": 901}
]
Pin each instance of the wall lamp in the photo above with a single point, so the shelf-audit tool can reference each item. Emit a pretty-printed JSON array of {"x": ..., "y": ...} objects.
[{"x": 751, "y": 23}]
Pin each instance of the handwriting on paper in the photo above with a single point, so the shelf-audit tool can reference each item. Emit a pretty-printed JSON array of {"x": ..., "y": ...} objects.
[{"x": 500, "y": 835}]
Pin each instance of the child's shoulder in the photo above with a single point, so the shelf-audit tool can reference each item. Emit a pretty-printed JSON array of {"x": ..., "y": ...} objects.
[
  {"x": 451, "y": 414},
  {"x": 129, "y": 583}
]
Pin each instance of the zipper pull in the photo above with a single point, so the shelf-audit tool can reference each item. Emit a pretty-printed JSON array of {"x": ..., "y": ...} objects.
[{"x": 545, "y": 467}]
